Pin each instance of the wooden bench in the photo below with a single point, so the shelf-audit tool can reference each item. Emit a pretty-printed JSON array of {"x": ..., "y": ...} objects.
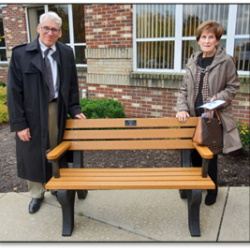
[{"x": 129, "y": 134}]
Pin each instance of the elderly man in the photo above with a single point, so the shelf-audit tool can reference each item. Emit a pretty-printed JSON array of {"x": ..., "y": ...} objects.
[{"x": 42, "y": 90}]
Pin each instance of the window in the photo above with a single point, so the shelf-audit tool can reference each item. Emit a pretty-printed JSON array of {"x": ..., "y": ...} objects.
[
  {"x": 164, "y": 34},
  {"x": 3, "y": 57},
  {"x": 242, "y": 41},
  {"x": 73, "y": 26},
  {"x": 193, "y": 16},
  {"x": 155, "y": 35},
  {"x": 33, "y": 20}
]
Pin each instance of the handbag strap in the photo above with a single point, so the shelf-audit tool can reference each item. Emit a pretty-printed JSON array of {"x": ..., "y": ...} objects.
[
  {"x": 216, "y": 112},
  {"x": 210, "y": 114}
]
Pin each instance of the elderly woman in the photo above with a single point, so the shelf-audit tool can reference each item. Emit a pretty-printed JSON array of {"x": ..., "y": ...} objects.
[{"x": 210, "y": 75}]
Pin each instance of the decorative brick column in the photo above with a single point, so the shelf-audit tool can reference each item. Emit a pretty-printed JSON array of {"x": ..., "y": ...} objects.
[
  {"x": 108, "y": 26},
  {"x": 108, "y": 29}
]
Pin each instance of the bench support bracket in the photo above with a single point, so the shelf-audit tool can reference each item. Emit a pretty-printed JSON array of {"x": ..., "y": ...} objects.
[
  {"x": 205, "y": 163},
  {"x": 185, "y": 163},
  {"x": 55, "y": 168},
  {"x": 78, "y": 163},
  {"x": 67, "y": 200}
]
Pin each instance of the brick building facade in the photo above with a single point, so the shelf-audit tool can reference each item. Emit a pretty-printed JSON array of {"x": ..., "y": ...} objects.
[
  {"x": 109, "y": 71},
  {"x": 15, "y": 32}
]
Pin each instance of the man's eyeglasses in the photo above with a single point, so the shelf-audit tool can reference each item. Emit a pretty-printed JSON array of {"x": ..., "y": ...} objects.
[{"x": 54, "y": 31}]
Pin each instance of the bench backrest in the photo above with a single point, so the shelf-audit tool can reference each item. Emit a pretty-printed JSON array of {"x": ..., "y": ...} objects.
[{"x": 130, "y": 134}]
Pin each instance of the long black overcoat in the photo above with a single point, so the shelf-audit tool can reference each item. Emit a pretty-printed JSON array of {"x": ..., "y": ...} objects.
[{"x": 27, "y": 101}]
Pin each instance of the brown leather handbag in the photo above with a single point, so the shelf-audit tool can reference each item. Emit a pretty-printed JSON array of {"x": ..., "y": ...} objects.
[{"x": 208, "y": 132}]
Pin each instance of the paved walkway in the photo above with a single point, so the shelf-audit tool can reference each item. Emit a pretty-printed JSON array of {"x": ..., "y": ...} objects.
[{"x": 127, "y": 216}]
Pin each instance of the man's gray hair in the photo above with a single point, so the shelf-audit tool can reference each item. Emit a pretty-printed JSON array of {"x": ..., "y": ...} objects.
[{"x": 51, "y": 15}]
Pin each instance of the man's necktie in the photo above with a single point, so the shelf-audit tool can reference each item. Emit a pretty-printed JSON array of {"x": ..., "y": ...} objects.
[{"x": 49, "y": 76}]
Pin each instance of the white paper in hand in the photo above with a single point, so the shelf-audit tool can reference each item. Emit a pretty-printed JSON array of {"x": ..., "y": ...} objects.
[{"x": 212, "y": 105}]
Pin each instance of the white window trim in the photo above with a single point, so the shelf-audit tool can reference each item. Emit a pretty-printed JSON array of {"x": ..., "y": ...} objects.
[
  {"x": 27, "y": 24},
  {"x": 230, "y": 39},
  {"x": 178, "y": 38},
  {"x": 231, "y": 27},
  {"x": 134, "y": 39}
]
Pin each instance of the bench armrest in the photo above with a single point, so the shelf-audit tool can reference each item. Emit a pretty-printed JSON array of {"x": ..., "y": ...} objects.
[
  {"x": 54, "y": 156},
  {"x": 58, "y": 151},
  {"x": 206, "y": 155},
  {"x": 204, "y": 151}
]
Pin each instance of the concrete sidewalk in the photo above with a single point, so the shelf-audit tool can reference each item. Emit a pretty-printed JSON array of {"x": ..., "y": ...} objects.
[{"x": 127, "y": 216}]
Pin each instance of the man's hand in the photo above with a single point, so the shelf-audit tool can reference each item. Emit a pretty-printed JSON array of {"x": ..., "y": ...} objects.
[
  {"x": 80, "y": 116},
  {"x": 24, "y": 135},
  {"x": 182, "y": 116}
]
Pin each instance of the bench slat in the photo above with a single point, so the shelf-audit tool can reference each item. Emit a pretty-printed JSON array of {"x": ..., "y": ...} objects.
[
  {"x": 129, "y": 170},
  {"x": 120, "y": 172},
  {"x": 94, "y": 185},
  {"x": 120, "y": 123},
  {"x": 131, "y": 145},
  {"x": 129, "y": 178},
  {"x": 129, "y": 134}
]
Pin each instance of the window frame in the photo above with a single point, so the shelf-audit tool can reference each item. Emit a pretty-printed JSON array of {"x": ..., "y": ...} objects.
[
  {"x": 71, "y": 28},
  {"x": 229, "y": 37}
]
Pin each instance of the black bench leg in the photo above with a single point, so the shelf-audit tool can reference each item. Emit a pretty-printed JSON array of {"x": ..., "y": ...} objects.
[
  {"x": 194, "y": 201},
  {"x": 67, "y": 200}
]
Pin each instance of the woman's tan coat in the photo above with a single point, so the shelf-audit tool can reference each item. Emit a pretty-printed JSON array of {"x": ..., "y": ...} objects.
[{"x": 224, "y": 84}]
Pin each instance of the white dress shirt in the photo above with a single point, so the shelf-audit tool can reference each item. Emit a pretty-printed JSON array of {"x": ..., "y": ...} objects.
[{"x": 53, "y": 63}]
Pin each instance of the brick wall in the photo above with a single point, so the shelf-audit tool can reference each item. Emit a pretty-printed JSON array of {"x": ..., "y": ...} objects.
[
  {"x": 81, "y": 73},
  {"x": 108, "y": 26},
  {"x": 15, "y": 31},
  {"x": 138, "y": 101},
  {"x": 14, "y": 26},
  {"x": 3, "y": 74},
  {"x": 241, "y": 107},
  {"x": 156, "y": 102}
]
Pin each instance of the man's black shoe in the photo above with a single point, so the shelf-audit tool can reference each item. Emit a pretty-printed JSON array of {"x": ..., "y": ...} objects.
[{"x": 35, "y": 205}]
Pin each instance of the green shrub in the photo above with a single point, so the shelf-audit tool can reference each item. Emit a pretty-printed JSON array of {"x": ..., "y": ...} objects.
[
  {"x": 102, "y": 108},
  {"x": 4, "y": 117},
  {"x": 2, "y": 84},
  {"x": 3, "y": 95},
  {"x": 244, "y": 132}
]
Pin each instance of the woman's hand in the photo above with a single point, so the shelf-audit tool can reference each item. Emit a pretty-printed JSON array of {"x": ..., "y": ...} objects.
[
  {"x": 213, "y": 98},
  {"x": 182, "y": 116}
]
